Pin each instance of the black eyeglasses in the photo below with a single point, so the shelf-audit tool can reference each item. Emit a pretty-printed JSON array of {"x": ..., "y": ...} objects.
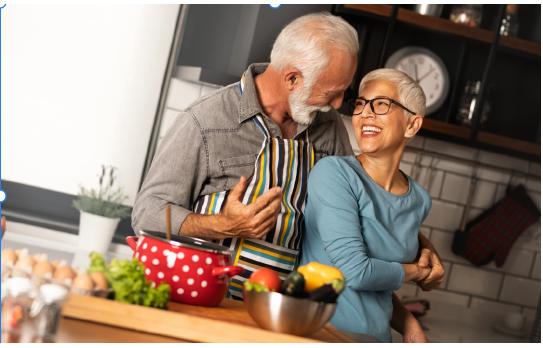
[{"x": 379, "y": 106}]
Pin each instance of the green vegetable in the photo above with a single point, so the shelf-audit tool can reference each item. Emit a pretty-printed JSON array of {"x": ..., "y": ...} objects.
[
  {"x": 294, "y": 284},
  {"x": 250, "y": 286},
  {"x": 127, "y": 278}
]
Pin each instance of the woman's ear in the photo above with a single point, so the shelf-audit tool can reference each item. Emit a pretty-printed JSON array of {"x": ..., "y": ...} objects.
[
  {"x": 413, "y": 125},
  {"x": 292, "y": 78}
]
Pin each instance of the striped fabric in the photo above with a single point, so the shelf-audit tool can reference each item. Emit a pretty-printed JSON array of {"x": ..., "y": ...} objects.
[{"x": 281, "y": 162}]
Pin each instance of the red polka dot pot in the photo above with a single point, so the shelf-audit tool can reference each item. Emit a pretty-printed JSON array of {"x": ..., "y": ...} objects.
[{"x": 198, "y": 271}]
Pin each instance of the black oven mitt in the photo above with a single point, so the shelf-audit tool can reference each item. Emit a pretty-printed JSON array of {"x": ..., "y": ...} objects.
[{"x": 492, "y": 234}]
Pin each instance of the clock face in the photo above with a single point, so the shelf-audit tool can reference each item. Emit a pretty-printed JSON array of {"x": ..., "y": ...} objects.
[{"x": 427, "y": 70}]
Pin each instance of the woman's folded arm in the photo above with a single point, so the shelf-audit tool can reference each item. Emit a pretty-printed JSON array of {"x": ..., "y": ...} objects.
[{"x": 335, "y": 208}]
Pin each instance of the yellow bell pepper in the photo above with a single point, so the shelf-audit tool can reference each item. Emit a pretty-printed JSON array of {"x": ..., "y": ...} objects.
[{"x": 316, "y": 275}]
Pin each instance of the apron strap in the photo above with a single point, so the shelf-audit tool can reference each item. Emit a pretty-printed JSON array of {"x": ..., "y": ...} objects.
[{"x": 262, "y": 125}]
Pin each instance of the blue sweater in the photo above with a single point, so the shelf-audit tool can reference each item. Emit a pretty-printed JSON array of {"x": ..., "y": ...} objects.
[{"x": 366, "y": 232}]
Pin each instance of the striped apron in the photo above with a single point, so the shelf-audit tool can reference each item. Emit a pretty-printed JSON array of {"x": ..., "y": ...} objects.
[{"x": 281, "y": 162}]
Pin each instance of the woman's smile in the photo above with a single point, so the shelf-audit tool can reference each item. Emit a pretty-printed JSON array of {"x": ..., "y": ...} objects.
[{"x": 370, "y": 131}]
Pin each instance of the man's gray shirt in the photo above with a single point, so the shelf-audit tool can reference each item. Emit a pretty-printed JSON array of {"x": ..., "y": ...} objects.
[{"x": 211, "y": 144}]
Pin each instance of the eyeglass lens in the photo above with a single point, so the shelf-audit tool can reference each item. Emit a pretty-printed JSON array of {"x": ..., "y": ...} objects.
[{"x": 379, "y": 106}]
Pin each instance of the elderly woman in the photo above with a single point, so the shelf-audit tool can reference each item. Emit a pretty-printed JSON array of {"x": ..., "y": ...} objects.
[{"x": 363, "y": 213}]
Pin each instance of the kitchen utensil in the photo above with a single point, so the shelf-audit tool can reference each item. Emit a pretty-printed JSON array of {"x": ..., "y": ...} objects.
[
  {"x": 285, "y": 314},
  {"x": 460, "y": 236},
  {"x": 168, "y": 225},
  {"x": 429, "y": 9},
  {"x": 197, "y": 271}
]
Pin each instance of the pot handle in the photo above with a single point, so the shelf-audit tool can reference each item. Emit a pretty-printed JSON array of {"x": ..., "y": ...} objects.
[
  {"x": 230, "y": 270},
  {"x": 132, "y": 242}
]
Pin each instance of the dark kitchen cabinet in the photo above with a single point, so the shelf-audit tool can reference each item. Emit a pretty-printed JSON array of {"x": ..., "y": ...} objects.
[{"x": 509, "y": 69}]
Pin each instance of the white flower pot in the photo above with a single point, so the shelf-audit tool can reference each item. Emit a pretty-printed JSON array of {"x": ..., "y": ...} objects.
[{"x": 96, "y": 232}]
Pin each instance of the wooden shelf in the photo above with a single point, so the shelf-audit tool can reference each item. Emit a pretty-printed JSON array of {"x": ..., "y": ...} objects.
[
  {"x": 445, "y": 128},
  {"x": 509, "y": 143},
  {"x": 446, "y": 26},
  {"x": 380, "y": 10},
  {"x": 482, "y": 137},
  {"x": 521, "y": 45}
]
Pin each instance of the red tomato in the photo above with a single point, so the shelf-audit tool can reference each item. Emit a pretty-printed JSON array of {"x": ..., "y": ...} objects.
[{"x": 266, "y": 277}]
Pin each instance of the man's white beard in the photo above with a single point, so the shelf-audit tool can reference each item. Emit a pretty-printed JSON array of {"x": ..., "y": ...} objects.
[{"x": 300, "y": 111}]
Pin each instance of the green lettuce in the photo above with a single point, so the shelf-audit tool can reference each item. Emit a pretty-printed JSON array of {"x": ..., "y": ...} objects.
[{"x": 127, "y": 278}]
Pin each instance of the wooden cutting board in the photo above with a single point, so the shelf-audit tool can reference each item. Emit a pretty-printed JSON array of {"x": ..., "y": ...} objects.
[{"x": 227, "y": 323}]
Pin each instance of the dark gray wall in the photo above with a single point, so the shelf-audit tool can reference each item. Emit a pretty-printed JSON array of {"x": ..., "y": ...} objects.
[{"x": 228, "y": 38}]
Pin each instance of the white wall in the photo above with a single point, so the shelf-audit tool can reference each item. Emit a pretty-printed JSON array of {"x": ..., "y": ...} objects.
[{"x": 80, "y": 88}]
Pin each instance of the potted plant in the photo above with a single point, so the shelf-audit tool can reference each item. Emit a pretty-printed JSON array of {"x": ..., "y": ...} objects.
[{"x": 101, "y": 212}]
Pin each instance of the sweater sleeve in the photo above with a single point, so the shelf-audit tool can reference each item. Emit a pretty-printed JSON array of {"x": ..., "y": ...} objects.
[{"x": 336, "y": 207}]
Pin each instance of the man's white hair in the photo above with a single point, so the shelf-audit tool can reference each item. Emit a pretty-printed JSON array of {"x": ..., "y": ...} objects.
[
  {"x": 410, "y": 93},
  {"x": 307, "y": 42}
]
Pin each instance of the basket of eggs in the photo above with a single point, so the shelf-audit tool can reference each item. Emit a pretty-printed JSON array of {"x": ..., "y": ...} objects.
[{"x": 37, "y": 268}]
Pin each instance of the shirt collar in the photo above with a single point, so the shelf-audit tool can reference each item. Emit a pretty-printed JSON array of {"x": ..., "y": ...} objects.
[{"x": 249, "y": 105}]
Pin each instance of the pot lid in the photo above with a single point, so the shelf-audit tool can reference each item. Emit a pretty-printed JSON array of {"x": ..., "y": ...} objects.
[{"x": 188, "y": 242}]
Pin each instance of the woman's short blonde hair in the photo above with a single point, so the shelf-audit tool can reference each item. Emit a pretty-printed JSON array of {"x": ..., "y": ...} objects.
[{"x": 410, "y": 93}]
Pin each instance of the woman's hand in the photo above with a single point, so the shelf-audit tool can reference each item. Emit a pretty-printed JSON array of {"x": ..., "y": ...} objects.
[
  {"x": 415, "y": 273},
  {"x": 429, "y": 257}
]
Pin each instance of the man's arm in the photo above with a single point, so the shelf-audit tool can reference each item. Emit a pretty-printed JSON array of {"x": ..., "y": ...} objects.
[
  {"x": 176, "y": 176},
  {"x": 236, "y": 219},
  {"x": 405, "y": 323},
  {"x": 429, "y": 257}
]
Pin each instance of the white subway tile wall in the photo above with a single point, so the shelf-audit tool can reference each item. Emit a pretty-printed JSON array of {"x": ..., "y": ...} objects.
[
  {"x": 475, "y": 281},
  {"x": 444, "y": 296},
  {"x": 521, "y": 291},
  {"x": 530, "y": 315},
  {"x": 450, "y": 149},
  {"x": 483, "y": 196},
  {"x": 455, "y": 188},
  {"x": 447, "y": 267},
  {"x": 494, "y": 306},
  {"x": 446, "y": 216},
  {"x": 488, "y": 288},
  {"x": 513, "y": 287},
  {"x": 536, "y": 272},
  {"x": 408, "y": 290},
  {"x": 518, "y": 262}
]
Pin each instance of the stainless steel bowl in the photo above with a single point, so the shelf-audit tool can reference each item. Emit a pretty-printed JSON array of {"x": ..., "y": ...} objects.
[{"x": 285, "y": 314}]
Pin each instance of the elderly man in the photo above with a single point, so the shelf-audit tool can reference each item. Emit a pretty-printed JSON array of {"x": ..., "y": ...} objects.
[{"x": 234, "y": 164}]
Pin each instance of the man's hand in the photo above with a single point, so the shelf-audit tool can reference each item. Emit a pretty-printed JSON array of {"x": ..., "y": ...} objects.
[
  {"x": 237, "y": 220},
  {"x": 253, "y": 220},
  {"x": 430, "y": 258},
  {"x": 415, "y": 335}
]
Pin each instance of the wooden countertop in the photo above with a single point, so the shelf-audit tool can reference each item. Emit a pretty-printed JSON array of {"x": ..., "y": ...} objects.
[{"x": 91, "y": 319}]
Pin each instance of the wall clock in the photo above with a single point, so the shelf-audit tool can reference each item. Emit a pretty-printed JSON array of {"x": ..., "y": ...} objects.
[{"x": 427, "y": 69}]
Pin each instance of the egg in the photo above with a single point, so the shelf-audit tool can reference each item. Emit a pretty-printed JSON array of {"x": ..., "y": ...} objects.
[
  {"x": 64, "y": 272},
  {"x": 9, "y": 255},
  {"x": 55, "y": 264},
  {"x": 99, "y": 280},
  {"x": 43, "y": 267},
  {"x": 37, "y": 257},
  {"x": 25, "y": 261},
  {"x": 21, "y": 253},
  {"x": 84, "y": 281}
]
